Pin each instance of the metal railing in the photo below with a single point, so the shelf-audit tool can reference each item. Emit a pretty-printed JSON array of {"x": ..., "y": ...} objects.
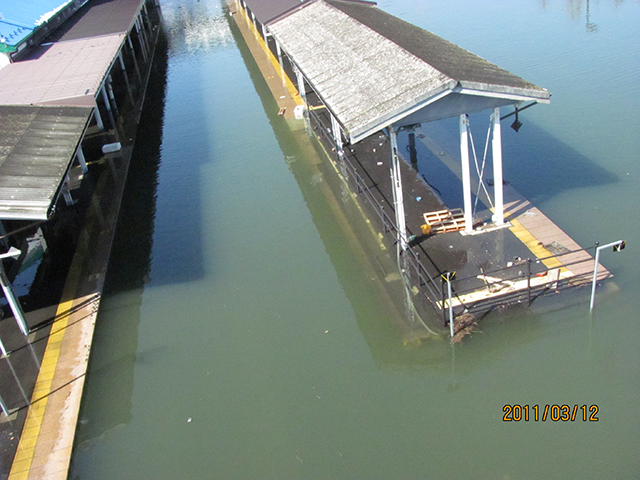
[{"x": 431, "y": 281}]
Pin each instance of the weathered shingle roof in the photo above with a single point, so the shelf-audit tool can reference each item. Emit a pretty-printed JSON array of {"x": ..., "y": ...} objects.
[
  {"x": 373, "y": 70},
  {"x": 37, "y": 145}
]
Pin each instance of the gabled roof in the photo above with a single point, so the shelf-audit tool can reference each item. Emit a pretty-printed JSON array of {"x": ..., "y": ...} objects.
[{"x": 374, "y": 70}]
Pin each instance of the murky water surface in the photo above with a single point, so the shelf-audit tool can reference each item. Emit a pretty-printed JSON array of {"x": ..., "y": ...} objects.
[{"x": 243, "y": 337}]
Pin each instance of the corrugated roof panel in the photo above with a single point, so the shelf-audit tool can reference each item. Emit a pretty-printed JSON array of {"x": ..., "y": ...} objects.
[
  {"x": 374, "y": 70},
  {"x": 447, "y": 57},
  {"x": 361, "y": 75},
  {"x": 38, "y": 145},
  {"x": 64, "y": 70}
]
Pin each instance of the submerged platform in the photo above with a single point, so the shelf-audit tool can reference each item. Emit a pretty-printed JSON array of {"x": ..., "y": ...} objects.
[
  {"x": 493, "y": 265},
  {"x": 62, "y": 184}
]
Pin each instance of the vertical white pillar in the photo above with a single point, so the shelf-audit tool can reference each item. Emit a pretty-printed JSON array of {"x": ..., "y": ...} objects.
[
  {"x": 496, "y": 145},
  {"x": 466, "y": 174},
  {"x": 301, "y": 88},
  {"x": 96, "y": 113},
  {"x": 135, "y": 60},
  {"x": 81, "y": 159},
  {"x": 283, "y": 75},
  {"x": 398, "y": 198},
  {"x": 126, "y": 77},
  {"x": 337, "y": 135}
]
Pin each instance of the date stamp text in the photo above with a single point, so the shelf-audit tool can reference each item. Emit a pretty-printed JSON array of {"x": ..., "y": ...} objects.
[{"x": 554, "y": 413}]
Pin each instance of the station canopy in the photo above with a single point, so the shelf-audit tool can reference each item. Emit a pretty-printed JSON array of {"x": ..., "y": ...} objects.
[
  {"x": 36, "y": 144},
  {"x": 373, "y": 70},
  {"x": 47, "y": 100}
]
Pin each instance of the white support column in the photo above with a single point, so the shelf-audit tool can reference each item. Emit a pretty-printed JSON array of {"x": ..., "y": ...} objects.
[
  {"x": 96, "y": 113},
  {"x": 301, "y": 88},
  {"x": 126, "y": 77},
  {"x": 398, "y": 198},
  {"x": 496, "y": 145},
  {"x": 107, "y": 103},
  {"x": 264, "y": 34},
  {"x": 337, "y": 135},
  {"x": 466, "y": 174},
  {"x": 112, "y": 96},
  {"x": 135, "y": 60},
  {"x": 283, "y": 75},
  {"x": 141, "y": 39},
  {"x": 81, "y": 159}
]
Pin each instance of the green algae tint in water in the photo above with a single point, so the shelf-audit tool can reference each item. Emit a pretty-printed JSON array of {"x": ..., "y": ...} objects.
[{"x": 250, "y": 342}]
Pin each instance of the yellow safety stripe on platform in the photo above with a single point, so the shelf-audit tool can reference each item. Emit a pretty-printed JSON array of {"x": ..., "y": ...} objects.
[
  {"x": 21, "y": 466},
  {"x": 533, "y": 244},
  {"x": 293, "y": 91}
]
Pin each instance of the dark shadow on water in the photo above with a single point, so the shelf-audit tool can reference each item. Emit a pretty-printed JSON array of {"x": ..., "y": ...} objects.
[
  {"x": 541, "y": 166},
  {"x": 537, "y": 164},
  {"x": 116, "y": 333}
]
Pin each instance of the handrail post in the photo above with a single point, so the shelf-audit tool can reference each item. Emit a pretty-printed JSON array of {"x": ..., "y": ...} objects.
[{"x": 528, "y": 281}]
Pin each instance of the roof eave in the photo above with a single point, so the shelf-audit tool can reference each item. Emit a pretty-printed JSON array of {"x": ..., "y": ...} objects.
[
  {"x": 502, "y": 91},
  {"x": 360, "y": 133}
]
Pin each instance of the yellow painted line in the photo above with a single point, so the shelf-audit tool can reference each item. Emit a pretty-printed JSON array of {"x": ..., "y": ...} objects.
[
  {"x": 23, "y": 459},
  {"x": 533, "y": 244},
  {"x": 293, "y": 91}
]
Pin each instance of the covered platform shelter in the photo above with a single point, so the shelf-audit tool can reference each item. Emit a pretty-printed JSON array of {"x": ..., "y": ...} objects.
[
  {"x": 373, "y": 71},
  {"x": 49, "y": 98}
]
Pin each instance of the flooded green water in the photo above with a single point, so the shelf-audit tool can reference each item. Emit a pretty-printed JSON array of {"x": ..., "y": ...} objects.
[{"x": 243, "y": 335}]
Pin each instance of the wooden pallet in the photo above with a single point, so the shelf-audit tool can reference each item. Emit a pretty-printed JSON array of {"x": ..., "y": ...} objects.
[{"x": 444, "y": 221}]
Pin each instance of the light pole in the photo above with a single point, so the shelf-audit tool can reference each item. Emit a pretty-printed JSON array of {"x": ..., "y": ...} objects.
[{"x": 617, "y": 246}]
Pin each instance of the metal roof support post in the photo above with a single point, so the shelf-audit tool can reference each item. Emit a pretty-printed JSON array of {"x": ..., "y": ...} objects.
[
  {"x": 253, "y": 19},
  {"x": 111, "y": 95},
  {"x": 81, "y": 159},
  {"x": 8, "y": 292},
  {"x": 143, "y": 30},
  {"x": 337, "y": 136},
  {"x": 264, "y": 34},
  {"x": 126, "y": 78},
  {"x": 279, "y": 52},
  {"x": 105, "y": 98},
  {"x": 466, "y": 173},
  {"x": 96, "y": 113},
  {"x": 496, "y": 145},
  {"x": 398, "y": 198},
  {"x": 66, "y": 193},
  {"x": 143, "y": 47},
  {"x": 301, "y": 89},
  {"x": 135, "y": 60}
]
